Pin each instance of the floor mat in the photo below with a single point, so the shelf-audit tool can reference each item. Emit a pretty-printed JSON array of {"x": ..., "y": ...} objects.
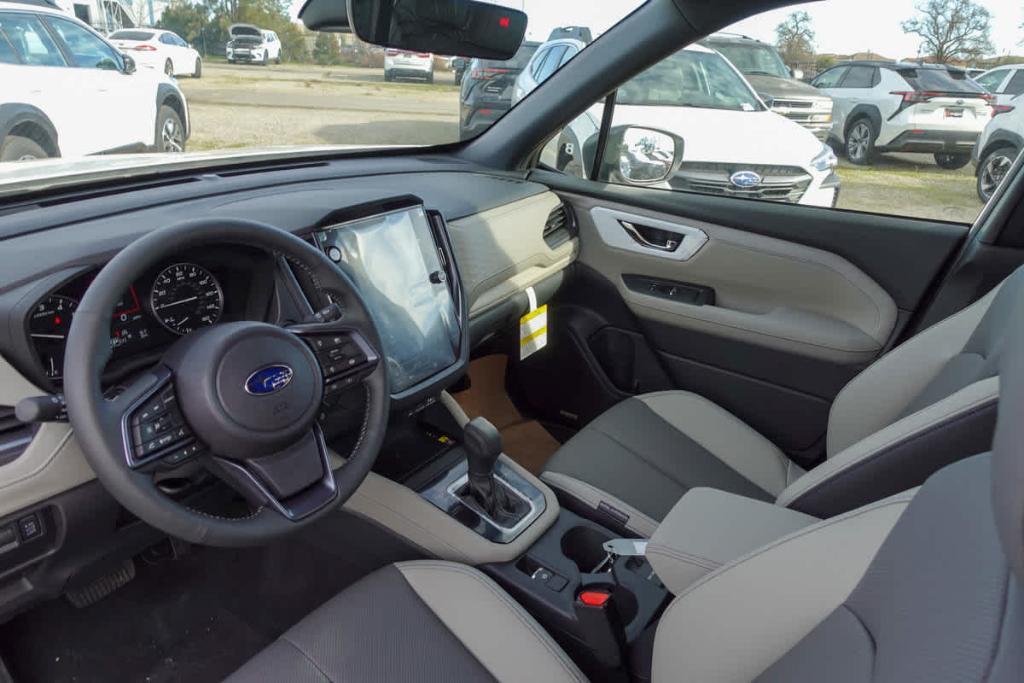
[
  {"x": 525, "y": 441},
  {"x": 200, "y": 617}
]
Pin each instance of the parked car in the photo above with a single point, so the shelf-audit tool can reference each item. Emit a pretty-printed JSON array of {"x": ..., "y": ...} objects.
[
  {"x": 44, "y": 56},
  {"x": 734, "y": 144},
  {"x": 458, "y": 66},
  {"x": 905, "y": 107},
  {"x": 1004, "y": 82},
  {"x": 156, "y": 49},
  {"x": 998, "y": 146},
  {"x": 549, "y": 58},
  {"x": 780, "y": 88},
  {"x": 250, "y": 43},
  {"x": 406, "y": 64},
  {"x": 486, "y": 92}
]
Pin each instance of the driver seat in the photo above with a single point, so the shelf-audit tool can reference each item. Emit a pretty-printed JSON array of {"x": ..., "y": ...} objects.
[{"x": 925, "y": 585}]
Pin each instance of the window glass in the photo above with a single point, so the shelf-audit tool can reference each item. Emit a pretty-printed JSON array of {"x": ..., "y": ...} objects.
[
  {"x": 831, "y": 78},
  {"x": 131, "y": 35},
  {"x": 538, "y": 63},
  {"x": 29, "y": 38},
  {"x": 936, "y": 151},
  {"x": 7, "y": 53},
  {"x": 551, "y": 63},
  {"x": 569, "y": 54},
  {"x": 1016, "y": 84},
  {"x": 88, "y": 50},
  {"x": 859, "y": 77},
  {"x": 992, "y": 81},
  {"x": 166, "y": 39}
]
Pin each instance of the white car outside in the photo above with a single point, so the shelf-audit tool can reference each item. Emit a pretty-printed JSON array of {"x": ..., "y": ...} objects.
[
  {"x": 734, "y": 145},
  {"x": 998, "y": 147},
  {"x": 905, "y": 107},
  {"x": 251, "y": 44},
  {"x": 1004, "y": 82},
  {"x": 156, "y": 49},
  {"x": 406, "y": 64},
  {"x": 68, "y": 92}
]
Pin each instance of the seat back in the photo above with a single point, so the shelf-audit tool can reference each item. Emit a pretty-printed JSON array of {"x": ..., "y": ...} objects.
[
  {"x": 928, "y": 403},
  {"x": 941, "y": 600}
]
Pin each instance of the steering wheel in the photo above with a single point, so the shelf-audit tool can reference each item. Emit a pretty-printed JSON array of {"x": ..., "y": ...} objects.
[{"x": 241, "y": 398}]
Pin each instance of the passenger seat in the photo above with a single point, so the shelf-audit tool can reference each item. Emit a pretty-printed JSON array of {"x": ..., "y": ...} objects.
[{"x": 927, "y": 403}]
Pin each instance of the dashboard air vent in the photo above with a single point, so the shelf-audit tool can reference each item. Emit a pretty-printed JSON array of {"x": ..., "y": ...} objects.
[
  {"x": 560, "y": 226},
  {"x": 15, "y": 436}
]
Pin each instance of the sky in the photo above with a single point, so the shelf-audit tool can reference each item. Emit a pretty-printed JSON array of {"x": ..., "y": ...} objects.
[{"x": 842, "y": 26}]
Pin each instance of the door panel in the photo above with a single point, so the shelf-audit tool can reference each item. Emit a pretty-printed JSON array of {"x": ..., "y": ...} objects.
[{"x": 775, "y": 312}]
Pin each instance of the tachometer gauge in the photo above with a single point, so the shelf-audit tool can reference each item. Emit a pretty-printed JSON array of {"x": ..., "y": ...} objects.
[
  {"x": 186, "y": 297},
  {"x": 48, "y": 327}
]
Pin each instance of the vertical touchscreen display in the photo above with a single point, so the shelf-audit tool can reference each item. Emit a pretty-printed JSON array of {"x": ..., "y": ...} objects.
[{"x": 392, "y": 258}]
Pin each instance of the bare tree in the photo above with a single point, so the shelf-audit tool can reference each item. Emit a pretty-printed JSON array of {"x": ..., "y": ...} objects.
[
  {"x": 795, "y": 38},
  {"x": 952, "y": 30}
]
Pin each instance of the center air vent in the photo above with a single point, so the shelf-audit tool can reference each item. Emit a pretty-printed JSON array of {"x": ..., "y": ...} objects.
[
  {"x": 15, "y": 436},
  {"x": 560, "y": 226}
]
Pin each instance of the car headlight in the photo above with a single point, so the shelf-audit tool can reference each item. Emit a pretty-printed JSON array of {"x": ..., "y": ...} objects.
[{"x": 825, "y": 160}]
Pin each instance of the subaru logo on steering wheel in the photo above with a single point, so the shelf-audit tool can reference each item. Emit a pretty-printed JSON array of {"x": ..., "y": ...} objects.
[
  {"x": 745, "y": 179},
  {"x": 269, "y": 380}
]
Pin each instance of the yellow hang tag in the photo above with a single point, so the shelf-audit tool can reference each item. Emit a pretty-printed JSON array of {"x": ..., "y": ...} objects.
[{"x": 533, "y": 332}]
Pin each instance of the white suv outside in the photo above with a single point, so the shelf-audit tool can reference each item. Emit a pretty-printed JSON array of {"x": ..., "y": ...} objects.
[
  {"x": 998, "y": 147},
  {"x": 1004, "y": 82},
  {"x": 251, "y": 44},
  {"x": 406, "y": 64},
  {"x": 66, "y": 91},
  {"x": 905, "y": 107},
  {"x": 734, "y": 145}
]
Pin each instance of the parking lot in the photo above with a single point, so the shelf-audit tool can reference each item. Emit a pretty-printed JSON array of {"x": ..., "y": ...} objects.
[{"x": 240, "y": 106}]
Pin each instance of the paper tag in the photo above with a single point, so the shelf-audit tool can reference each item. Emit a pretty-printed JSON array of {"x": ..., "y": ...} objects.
[{"x": 533, "y": 332}]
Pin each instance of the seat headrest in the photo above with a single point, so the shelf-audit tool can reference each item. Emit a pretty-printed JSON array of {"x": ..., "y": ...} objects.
[{"x": 1008, "y": 445}]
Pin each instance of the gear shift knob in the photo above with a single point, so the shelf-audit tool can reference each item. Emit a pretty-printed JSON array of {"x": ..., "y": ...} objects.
[{"x": 482, "y": 442}]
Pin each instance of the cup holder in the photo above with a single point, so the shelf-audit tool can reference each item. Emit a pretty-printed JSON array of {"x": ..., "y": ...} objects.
[{"x": 582, "y": 545}]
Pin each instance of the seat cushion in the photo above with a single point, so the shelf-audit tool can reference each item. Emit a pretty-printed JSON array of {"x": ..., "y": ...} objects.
[
  {"x": 636, "y": 460},
  {"x": 415, "y": 621}
]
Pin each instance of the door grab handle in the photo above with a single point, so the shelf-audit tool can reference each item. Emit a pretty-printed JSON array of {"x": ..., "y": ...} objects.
[{"x": 668, "y": 245}]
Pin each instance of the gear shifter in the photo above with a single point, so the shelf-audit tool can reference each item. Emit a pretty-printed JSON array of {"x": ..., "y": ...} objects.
[{"x": 482, "y": 442}]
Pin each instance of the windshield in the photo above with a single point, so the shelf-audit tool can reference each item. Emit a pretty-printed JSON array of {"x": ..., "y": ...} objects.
[
  {"x": 690, "y": 79},
  {"x": 247, "y": 78},
  {"x": 940, "y": 80},
  {"x": 753, "y": 59}
]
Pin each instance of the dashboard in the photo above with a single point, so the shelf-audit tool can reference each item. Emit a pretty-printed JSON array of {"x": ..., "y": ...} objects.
[{"x": 187, "y": 292}]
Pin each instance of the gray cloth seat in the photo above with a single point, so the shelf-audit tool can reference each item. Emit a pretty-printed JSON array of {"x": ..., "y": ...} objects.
[
  {"x": 924, "y": 405},
  {"x": 926, "y": 585}
]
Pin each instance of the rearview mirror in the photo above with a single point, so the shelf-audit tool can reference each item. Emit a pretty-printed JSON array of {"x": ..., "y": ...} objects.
[{"x": 448, "y": 27}]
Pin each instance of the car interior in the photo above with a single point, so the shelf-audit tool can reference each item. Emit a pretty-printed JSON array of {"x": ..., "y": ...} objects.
[{"x": 449, "y": 414}]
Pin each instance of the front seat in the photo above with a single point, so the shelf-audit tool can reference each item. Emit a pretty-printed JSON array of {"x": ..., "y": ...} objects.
[
  {"x": 925, "y": 404},
  {"x": 926, "y": 585}
]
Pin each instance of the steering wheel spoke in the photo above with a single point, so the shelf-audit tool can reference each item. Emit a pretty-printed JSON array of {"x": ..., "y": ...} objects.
[
  {"x": 153, "y": 429},
  {"x": 296, "y": 483},
  {"x": 345, "y": 355}
]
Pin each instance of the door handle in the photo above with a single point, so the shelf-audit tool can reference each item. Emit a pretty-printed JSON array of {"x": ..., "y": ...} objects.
[{"x": 657, "y": 239}]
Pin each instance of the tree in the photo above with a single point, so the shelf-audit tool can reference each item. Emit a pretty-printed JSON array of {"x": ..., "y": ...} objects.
[
  {"x": 326, "y": 49},
  {"x": 184, "y": 18},
  {"x": 795, "y": 38},
  {"x": 952, "y": 30}
]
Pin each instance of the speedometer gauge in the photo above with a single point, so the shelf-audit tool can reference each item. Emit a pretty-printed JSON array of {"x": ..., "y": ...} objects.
[
  {"x": 48, "y": 327},
  {"x": 186, "y": 297}
]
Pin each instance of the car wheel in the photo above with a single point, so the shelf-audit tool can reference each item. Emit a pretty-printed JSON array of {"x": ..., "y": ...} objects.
[
  {"x": 430, "y": 77},
  {"x": 952, "y": 162},
  {"x": 277, "y": 60},
  {"x": 860, "y": 142},
  {"x": 993, "y": 169},
  {"x": 169, "y": 68},
  {"x": 198, "y": 73},
  {"x": 18, "y": 148},
  {"x": 266, "y": 60},
  {"x": 170, "y": 133},
  {"x": 388, "y": 77}
]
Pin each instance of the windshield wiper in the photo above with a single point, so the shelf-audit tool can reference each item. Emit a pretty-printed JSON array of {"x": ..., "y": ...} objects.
[{"x": 754, "y": 72}]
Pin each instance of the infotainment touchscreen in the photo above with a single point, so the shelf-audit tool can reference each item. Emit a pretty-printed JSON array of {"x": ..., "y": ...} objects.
[{"x": 394, "y": 262}]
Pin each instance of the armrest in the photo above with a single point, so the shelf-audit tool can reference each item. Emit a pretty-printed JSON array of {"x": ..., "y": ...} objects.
[{"x": 708, "y": 528}]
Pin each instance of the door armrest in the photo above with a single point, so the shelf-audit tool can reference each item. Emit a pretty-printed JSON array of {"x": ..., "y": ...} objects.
[{"x": 708, "y": 528}]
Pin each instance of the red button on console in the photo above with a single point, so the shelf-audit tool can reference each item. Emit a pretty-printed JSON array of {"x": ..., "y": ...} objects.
[{"x": 594, "y": 598}]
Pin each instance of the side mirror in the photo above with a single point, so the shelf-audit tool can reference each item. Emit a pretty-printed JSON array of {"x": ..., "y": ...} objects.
[
  {"x": 768, "y": 100},
  {"x": 129, "y": 64},
  {"x": 645, "y": 155}
]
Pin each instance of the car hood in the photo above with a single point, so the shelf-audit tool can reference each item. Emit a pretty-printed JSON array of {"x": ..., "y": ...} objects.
[
  {"x": 247, "y": 30},
  {"x": 50, "y": 174},
  {"x": 784, "y": 87},
  {"x": 722, "y": 136}
]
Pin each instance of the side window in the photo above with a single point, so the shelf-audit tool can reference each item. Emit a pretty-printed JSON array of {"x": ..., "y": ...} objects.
[
  {"x": 1016, "y": 84},
  {"x": 88, "y": 50},
  {"x": 830, "y": 78},
  {"x": 7, "y": 53},
  {"x": 538, "y": 64},
  {"x": 569, "y": 54},
  {"x": 860, "y": 77},
  {"x": 992, "y": 81},
  {"x": 167, "y": 39},
  {"x": 551, "y": 63},
  {"x": 30, "y": 40}
]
